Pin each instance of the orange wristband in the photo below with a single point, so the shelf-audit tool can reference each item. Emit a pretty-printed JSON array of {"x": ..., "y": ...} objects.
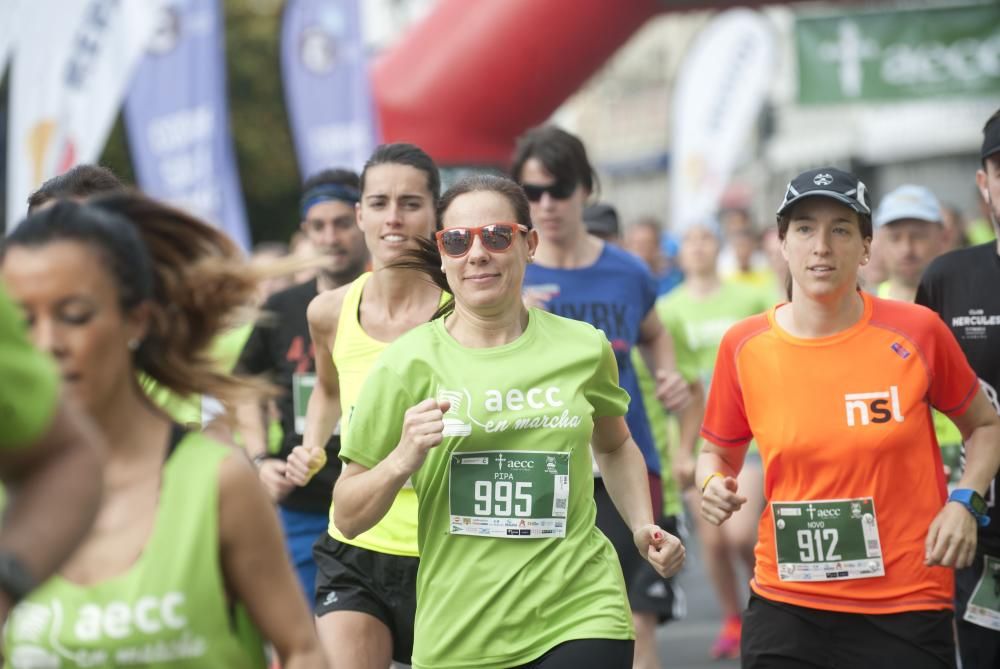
[{"x": 708, "y": 479}]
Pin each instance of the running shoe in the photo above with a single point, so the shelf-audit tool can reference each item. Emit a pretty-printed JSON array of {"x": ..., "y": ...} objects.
[{"x": 727, "y": 645}]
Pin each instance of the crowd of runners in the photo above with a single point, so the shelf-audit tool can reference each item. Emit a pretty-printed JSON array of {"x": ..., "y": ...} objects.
[{"x": 469, "y": 426}]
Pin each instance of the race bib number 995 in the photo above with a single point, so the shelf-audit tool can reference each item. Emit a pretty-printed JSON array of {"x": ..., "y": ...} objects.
[{"x": 509, "y": 494}]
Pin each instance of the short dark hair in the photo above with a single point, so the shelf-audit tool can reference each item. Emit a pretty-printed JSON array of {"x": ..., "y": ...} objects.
[
  {"x": 81, "y": 181},
  {"x": 402, "y": 153},
  {"x": 987, "y": 129},
  {"x": 562, "y": 154},
  {"x": 336, "y": 176},
  {"x": 330, "y": 184}
]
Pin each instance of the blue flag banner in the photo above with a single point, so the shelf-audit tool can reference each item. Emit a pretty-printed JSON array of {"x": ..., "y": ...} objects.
[
  {"x": 177, "y": 118},
  {"x": 327, "y": 87}
]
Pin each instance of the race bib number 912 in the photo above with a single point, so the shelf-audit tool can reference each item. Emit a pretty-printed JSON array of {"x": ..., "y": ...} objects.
[{"x": 827, "y": 540}]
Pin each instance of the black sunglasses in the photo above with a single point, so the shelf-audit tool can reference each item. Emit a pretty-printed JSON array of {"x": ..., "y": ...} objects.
[{"x": 557, "y": 191}]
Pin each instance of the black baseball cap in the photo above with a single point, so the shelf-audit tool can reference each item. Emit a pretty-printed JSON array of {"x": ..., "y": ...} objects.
[
  {"x": 991, "y": 137},
  {"x": 830, "y": 182},
  {"x": 601, "y": 219}
]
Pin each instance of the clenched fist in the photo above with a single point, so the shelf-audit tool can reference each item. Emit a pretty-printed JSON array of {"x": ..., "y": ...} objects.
[
  {"x": 303, "y": 463},
  {"x": 660, "y": 548},
  {"x": 423, "y": 429}
]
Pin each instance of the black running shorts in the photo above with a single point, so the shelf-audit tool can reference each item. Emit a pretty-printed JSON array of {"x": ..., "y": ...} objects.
[
  {"x": 783, "y": 636},
  {"x": 350, "y": 578}
]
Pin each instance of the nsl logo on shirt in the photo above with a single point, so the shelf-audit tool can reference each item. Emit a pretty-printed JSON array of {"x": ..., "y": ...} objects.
[{"x": 878, "y": 407}]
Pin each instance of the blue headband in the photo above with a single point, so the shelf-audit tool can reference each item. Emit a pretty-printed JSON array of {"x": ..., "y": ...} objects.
[{"x": 325, "y": 193}]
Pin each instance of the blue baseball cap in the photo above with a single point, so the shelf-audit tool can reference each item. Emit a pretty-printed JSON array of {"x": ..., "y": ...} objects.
[{"x": 908, "y": 202}]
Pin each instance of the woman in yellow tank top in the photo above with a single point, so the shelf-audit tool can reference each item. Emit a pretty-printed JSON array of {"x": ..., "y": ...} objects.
[{"x": 366, "y": 585}]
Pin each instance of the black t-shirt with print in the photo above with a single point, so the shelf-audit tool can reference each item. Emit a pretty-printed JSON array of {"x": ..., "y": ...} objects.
[
  {"x": 280, "y": 347},
  {"x": 963, "y": 287}
]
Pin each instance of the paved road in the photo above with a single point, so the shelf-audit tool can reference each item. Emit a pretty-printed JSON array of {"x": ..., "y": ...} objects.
[{"x": 685, "y": 644}]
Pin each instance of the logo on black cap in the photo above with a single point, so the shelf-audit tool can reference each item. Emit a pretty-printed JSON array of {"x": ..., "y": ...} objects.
[{"x": 828, "y": 182}]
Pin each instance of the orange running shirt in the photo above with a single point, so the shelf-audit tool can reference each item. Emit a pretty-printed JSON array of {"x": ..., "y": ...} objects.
[{"x": 818, "y": 443}]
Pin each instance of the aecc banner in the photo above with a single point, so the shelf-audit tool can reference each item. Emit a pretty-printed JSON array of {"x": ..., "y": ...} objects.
[{"x": 892, "y": 55}]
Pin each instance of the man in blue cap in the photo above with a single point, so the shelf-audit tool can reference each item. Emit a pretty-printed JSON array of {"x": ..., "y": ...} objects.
[{"x": 909, "y": 235}]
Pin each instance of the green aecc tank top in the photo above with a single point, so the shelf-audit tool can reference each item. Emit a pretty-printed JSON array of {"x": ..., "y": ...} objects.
[{"x": 168, "y": 610}]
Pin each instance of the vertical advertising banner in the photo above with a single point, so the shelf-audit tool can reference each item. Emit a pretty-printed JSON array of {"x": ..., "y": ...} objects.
[
  {"x": 70, "y": 70},
  {"x": 720, "y": 90},
  {"x": 10, "y": 19},
  {"x": 177, "y": 118},
  {"x": 327, "y": 87}
]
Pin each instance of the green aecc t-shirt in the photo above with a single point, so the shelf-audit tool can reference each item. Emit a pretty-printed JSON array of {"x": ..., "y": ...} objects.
[{"x": 511, "y": 561}]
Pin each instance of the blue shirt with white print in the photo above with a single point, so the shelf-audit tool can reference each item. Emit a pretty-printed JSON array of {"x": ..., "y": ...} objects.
[{"x": 614, "y": 295}]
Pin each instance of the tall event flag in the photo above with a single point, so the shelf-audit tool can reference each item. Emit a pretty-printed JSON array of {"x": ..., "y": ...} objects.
[
  {"x": 10, "y": 19},
  {"x": 177, "y": 118},
  {"x": 719, "y": 93},
  {"x": 70, "y": 70},
  {"x": 327, "y": 87}
]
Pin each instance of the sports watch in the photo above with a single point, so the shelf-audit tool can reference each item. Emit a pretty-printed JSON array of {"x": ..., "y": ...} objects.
[
  {"x": 15, "y": 579},
  {"x": 972, "y": 501}
]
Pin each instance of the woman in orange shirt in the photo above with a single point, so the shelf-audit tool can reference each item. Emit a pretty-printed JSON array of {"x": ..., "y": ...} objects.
[{"x": 857, "y": 545}]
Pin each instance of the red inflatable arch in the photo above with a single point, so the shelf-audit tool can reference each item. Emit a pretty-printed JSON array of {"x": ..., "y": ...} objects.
[{"x": 473, "y": 75}]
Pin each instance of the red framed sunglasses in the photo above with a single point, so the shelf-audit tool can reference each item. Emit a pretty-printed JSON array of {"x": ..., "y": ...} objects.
[{"x": 496, "y": 237}]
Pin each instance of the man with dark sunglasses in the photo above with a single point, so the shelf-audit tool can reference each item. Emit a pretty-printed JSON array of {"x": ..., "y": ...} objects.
[
  {"x": 558, "y": 190},
  {"x": 579, "y": 276}
]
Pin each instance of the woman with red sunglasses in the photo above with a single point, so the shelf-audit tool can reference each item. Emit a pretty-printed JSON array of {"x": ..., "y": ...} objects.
[{"x": 490, "y": 411}]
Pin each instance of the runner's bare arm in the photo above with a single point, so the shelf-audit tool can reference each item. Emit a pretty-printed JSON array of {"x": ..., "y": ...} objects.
[
  {"x": 256, "y": 569},
  {"x": 690, "y": 425},
  {"x": 323, "y": 410},
  {"x": 980, "y": 428},
  {"x": 624, "y": 472},
  {"x": 951, "y": 538},
  {"x": 657, "y": 349},
  {"x": 363, "y": 496},
  {"x": 251, "y": 427},
  {"x": 54, "y": 490},
  {"x": 716, "y": 474}
]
